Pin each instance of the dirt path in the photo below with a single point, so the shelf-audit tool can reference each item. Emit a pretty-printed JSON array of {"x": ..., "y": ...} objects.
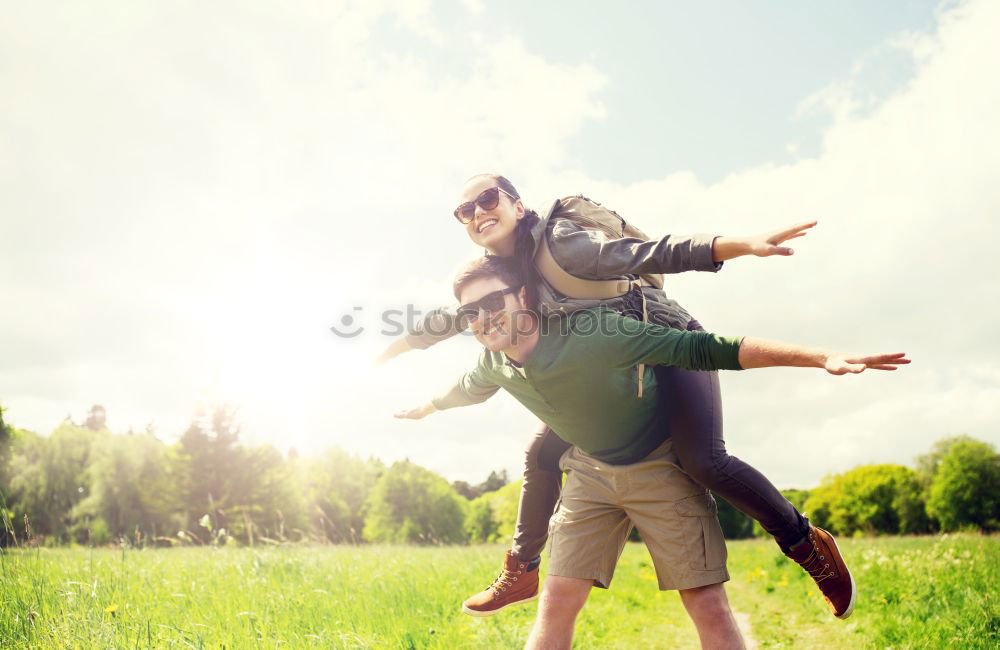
[{"x": 743, "y": 622}]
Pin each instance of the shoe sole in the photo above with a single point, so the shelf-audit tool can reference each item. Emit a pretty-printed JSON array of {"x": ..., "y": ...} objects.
[
  {"x": 854, "y": 596},
  {"x": 854, "y": 589},
  {"x": 491, "y": 612}
]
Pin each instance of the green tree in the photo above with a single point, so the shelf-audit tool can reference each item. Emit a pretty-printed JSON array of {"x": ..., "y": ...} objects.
[
  {"x": 206, "y": 462},
  {"x": 735, "y": 524},
  {"x": 337, "y": 487},
  {"x": 48, "y": 477},
  {"x": 6, "y": 442},
  {"x": 965, "y": 490},
  {"x": 869, "y": 499},
  {"x": 131, "y": 492},
  {"x": 264, "y": 500},
  {"x": 493, "y": 482},
  {"x": 96, "y": 418},
  {"x": 480, "y": 525},
  {"x": 410, "y": 504},
  {"x": 504, "y": 503}
]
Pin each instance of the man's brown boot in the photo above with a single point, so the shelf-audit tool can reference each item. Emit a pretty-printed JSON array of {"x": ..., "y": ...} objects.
[
  {"x": 515, "y": 585},
  {"x": 821, "y": 559}
]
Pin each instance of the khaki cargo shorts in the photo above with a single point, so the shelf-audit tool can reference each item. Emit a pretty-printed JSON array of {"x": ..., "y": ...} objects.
[{"x": 675, "y": 516}]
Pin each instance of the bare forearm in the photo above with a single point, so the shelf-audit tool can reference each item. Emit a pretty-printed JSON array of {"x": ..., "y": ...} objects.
[
  {"x": 418, "y": 413},
  {"x": 763, "y": 245},
  {"x": 726, "y": 248},
  {"x": 764, "y": 353},
  {"x": 396, "y": 348}
]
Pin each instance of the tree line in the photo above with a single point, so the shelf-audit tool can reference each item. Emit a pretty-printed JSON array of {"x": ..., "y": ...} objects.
[{"x": 84, "y": 484}]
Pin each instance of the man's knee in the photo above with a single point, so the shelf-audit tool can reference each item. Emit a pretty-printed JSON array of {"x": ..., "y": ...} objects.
[
  {"x": 708, "y": 601},
  {"x": 563, "y": 597}
]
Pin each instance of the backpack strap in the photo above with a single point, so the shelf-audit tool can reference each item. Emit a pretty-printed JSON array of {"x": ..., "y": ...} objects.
[{"x": 572, "y": 286}]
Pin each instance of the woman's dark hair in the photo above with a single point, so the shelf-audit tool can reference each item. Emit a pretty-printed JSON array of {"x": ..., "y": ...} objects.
[{"x": 524, "y": 247}]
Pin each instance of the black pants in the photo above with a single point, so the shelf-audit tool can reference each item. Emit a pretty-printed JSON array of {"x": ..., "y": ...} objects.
[{"x": 695, "y": 417}]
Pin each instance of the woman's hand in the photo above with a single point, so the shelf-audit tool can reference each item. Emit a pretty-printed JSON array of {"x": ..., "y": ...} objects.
[
  {"x": 763, "y": 245},
  {"x": 417, "y": 413},
  {"x": 841, "y": 364},
  {"x": 767, "y": 244}
]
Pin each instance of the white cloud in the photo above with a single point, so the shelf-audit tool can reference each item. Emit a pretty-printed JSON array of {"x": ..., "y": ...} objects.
[
  {"x": 194, "y": 195},
  {"x": 902, "y": 260}
]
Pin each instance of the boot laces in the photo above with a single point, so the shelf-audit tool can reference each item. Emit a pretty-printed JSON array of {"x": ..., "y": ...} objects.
[
  {"x": 816, "y": 564},
  {"x": 505, "y": 580}
]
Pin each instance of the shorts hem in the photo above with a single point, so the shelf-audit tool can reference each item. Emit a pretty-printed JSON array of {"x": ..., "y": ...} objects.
[
  {"x": 700, "y": 579},
  {"x": 601, "y": 581}
]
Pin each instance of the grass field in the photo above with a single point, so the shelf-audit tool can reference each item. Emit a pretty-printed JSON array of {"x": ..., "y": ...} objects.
[{"x": 913, "y": 593}]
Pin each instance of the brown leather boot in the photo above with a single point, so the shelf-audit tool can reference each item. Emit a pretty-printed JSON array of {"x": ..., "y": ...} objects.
[
  {"x": 514, "y": 585},
  {"x": 821, "y": 559}
]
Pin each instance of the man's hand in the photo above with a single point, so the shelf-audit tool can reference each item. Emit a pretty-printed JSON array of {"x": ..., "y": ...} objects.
[
  {"x": 396, "y": 348},
  {"x": 763, "y": 245},
  {"x": 416, "y": 414},
  {"x": 841, "y": 364}
]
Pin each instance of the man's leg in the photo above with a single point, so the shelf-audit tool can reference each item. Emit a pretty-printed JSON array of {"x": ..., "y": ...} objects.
[
  {"x": 562, "y": 599},
  {"x": 518, "y": 579},
  {"x": 708, "y": 607}
]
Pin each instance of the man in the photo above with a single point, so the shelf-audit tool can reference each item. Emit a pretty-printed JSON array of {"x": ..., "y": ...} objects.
[{"x": 578, "y": 375}]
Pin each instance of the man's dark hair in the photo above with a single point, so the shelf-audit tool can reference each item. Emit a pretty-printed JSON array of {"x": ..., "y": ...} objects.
[{"x": 489, "y": 266}]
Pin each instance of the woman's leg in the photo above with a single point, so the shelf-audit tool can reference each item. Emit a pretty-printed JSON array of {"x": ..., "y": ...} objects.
[
  {"x": 518, "y": 579},
  {"x": 539, "y": 493},
  {"x": 694, "y": 407}
]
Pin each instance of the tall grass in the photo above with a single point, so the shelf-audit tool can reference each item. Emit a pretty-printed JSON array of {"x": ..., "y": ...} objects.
[{"x": 915, "y": 592}]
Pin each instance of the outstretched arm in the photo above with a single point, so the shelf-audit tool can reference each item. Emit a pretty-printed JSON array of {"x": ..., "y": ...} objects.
[
  {"x": 762, "y": 353},
  {"x": 763, "y": 245},
  {"x": 591, "y": 254},
  {"x": 417, "y": 413},
  {"x": 473, "y": 388},
  {"x": 635, "y": 342},
  {"x": 436, "y": 326}
]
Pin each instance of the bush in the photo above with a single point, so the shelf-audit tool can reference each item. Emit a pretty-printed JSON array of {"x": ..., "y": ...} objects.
[
  {"x": 869, "y": 499},
  {"x": 965, "y": 490}
]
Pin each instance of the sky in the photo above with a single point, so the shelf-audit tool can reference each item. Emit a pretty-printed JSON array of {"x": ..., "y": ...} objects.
[{"x": 192, "y": 194}]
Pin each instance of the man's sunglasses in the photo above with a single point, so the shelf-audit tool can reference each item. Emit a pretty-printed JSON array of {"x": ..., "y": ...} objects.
[
  {"x": 487, "y": 200},
  {"x": 490, "y": 303}
]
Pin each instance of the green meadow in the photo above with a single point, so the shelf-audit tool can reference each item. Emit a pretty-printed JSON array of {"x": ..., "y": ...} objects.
[{"x": 914, "y": 592}]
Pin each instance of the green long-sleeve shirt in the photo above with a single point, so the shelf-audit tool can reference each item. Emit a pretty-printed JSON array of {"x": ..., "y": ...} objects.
[{"x": 581, "y": 379}]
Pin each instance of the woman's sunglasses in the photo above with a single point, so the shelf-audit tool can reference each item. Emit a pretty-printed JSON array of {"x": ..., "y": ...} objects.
[
  {"x": 490, "y": 303},
  {"x": 487, "y": 200}
]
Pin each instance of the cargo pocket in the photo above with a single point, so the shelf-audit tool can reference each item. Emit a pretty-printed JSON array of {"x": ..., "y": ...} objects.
[{"x": 706, "y": 544}]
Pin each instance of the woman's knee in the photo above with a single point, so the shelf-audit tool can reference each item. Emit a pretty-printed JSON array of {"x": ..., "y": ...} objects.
[
  {"x": 543, "y": 452},
  {"x": 705, "y": 468}
]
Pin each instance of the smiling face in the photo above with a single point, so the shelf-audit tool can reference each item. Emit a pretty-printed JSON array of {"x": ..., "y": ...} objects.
[
  {"x": 499, "y": 330},
  {"x": 492, "y": 229}
]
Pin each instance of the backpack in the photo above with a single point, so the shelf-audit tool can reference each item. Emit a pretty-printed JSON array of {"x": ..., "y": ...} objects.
[{"x": 589, "y": 215}]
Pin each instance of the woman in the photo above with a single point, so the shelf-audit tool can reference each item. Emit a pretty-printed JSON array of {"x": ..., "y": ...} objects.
[{"x": 495, "y": 218}]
